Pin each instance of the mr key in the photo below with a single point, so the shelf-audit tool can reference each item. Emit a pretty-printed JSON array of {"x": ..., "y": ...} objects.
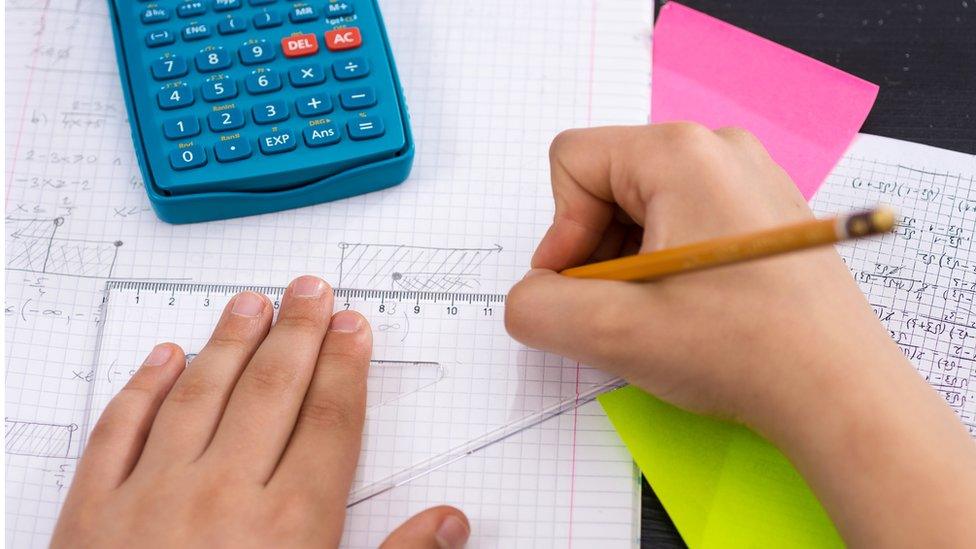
[{"x": 248, "y": 106}]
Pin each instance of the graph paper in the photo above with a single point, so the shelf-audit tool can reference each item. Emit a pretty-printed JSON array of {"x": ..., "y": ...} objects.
[{"x": 487, "y": 92}]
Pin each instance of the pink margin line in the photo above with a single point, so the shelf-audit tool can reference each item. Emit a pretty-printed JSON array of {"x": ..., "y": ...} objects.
[{"x": 23, "y": 108}]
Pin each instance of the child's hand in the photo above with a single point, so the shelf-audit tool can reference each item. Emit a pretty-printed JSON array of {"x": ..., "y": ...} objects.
[
  {"x": 713, "y": 341},
  {"x": 788, "y": 344},
  {"x": 253, "y": 444}
]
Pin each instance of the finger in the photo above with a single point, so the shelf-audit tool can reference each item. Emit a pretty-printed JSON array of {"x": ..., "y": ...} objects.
[
  {"x": 189, "y": 415},
  {"x": 595, "y": 169},
  {"x": 322, "y": 453},
  {"x": 261, "y": 411},
  {"x": 436, "y": 528},
  {"x": 589, "y": 327},
  {"x": 117, "y": 440}
]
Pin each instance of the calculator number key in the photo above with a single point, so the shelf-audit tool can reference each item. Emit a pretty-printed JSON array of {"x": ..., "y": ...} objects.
[
  {"x": 188, "y": 157},
  {"x": 354, "y": 67},
  {"x": 277, "y": 142},
  {"x": 169, "y": 67},
  {"x": 218, "y": 90},
  {"x": 222, "y": 121},
  {"x": 272, "y": 111},
  {"x": 343, "y": 39},
  {"x": 265, "y": 81},
  {"x": 367, "y": 127},
  {"x": 175, "y": 97},
  {"x": 182, "y": 127},
  {"x": 213, "y": 60},
  {"x": 260, "y": 52},
  {"x": 314, "y": 105}
]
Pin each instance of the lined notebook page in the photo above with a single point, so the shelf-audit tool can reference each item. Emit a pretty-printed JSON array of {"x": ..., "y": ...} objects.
[{"x": 488, "y": 86}]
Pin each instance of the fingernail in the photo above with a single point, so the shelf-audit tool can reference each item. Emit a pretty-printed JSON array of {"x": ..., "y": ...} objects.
[
  {"x": 452, "y": 533},
  {"x": 307, "y": 286},
  {"x": 248, "y": 304},
  {"x": 159, "y": 355},
  {"x": 345, "y": 322}
]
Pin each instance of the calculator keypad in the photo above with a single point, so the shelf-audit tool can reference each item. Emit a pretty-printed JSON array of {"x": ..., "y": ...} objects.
[{"x": 244, "y": 82}]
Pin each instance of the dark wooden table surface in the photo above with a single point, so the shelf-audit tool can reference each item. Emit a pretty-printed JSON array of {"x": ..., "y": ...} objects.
[{"x": 921, "y": 53}]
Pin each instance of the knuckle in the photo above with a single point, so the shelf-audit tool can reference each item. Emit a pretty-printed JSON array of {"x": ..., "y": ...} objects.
[
  {"x": 329, "y": 413},
  {"x": 272, "y": 378},
  {"x": 561, "y": 142},
  {"x": 305, "y": 322},
  {"x": 191, "y": 389},
  {"x": 355, "y": 356},
  {"x": 228, "y": 341}
]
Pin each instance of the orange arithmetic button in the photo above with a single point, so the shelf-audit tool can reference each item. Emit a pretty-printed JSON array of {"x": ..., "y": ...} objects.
[
  {"x": 343, "y": 39},
  {"x": 299, "y": 45}
]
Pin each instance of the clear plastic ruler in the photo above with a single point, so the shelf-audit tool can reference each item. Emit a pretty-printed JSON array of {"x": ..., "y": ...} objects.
[{"x": 445, "y": 379}]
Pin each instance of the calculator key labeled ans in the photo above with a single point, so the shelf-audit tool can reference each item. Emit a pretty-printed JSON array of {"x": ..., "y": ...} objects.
[
  {"x": 320, "y": 135},
  {"x": 299, "y": 45},
  {"x": 343, "y": 39},
  {"x": 366, "y": 127},
  {"x": 270, "y": 112},
  {"x": 275, "y": 142},
  {"x": 189, "y": 157}
]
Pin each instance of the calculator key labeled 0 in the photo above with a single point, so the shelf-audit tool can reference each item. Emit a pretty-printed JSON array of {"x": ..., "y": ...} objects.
[{"x": 241, "y": 107}]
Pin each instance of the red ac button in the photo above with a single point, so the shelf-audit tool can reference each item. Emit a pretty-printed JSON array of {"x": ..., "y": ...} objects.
[
  {"x": 343, "y": 39},
  {"x": 299, "y": 45}
]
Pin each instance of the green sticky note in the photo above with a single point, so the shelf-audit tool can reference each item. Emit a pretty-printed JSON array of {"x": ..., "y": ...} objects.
[{"x": 722, "y": 484}]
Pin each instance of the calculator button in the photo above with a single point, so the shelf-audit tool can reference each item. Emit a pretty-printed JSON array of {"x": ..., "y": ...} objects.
[
  {"x": 176, "y": 97},
  {"x": 191, "y": 9},
  {"x": 226, "y": 5},
  {"x": 190, "y": 157},
  {"x": 314, "y": 105},
  {"x": 299, "y": 45},
  {"x": 261, "y": 2},
  {"x": 252, "y": 54},
  {"x": 303, "y": 13},
  {"x": 306, "y": 75},
  {"x": 367, "y": 127},
  {"x": 267, "y": 19},
  {"x": 222, "y": 121},
  {"x": 218, "y": 90},
  {"x": 322, "y": 134},
  {"x": 166, "y": 68},
  {"x": 262, "y": 82},
  {"x": 232, "y": 25},
  {"x": 277, "y": 142},
  {"x": 232, "y": 150},
  {"x": 354, "y": 67},
  {"x": 196, "y": 31},
  {"x": 178, "y": 128},
  {"x": 343, "y": 39},
  {"x": 338, "y": 9},
  {"x": 154, "y": 15},
  {"x": 213, "y": 60},
  {"x": 159, "y": 38},
  {"x": 272, "y": 111},
  {"x": 357, "y": 98}
]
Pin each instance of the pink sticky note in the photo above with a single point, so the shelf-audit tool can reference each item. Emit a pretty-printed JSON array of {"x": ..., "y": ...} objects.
[{"x": 805, "y": 112}]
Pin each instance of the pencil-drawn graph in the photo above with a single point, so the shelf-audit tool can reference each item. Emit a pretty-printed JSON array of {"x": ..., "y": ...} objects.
[
  {"x": 391, "y": 380},
  {"x": 30, "y": 438},
  {"x": 34, "y": 246},
  {"x": 415, "y": 268}
]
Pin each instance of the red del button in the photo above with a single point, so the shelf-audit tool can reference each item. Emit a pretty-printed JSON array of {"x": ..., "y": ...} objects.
[
  {"x": 343, "y": 39},
  {"x": 299, "y": 45}
]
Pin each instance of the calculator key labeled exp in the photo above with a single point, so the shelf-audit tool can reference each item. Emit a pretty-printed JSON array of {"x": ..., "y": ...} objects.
[
  {"x": 367, "y": 127},
  {"x": 306, "y": 75},
  {"x": 277, "y": 142},
  {"x": 299, "y": 45},
  {"x": 232, "y": 150},
  {"x": 272, "y": 111},
  {"x": 314, "y": 105},
  {"x": 226, "y": 120},
  {"x": 353, "y": 67},
  {"x": 321, "y": 135},
  {"x": 188, "y": 157},
  {"x": 343, "y": 39},
  {"x": 182, "y": 127}
]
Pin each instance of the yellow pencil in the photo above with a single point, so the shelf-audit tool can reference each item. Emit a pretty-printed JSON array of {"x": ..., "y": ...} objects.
[{"x": 744, "y": 247}]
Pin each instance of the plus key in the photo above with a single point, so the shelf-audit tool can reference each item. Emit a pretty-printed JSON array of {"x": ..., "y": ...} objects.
[{"x": 299, "y": 45}]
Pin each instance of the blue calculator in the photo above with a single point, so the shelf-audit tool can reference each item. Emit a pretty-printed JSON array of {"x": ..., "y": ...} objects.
[{"x": 240, "y": 107}]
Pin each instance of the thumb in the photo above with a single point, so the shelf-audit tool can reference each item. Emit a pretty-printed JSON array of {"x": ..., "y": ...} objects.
[
  {"x": 583, "y": 319},
  {"x": 441, "y": 527}
]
